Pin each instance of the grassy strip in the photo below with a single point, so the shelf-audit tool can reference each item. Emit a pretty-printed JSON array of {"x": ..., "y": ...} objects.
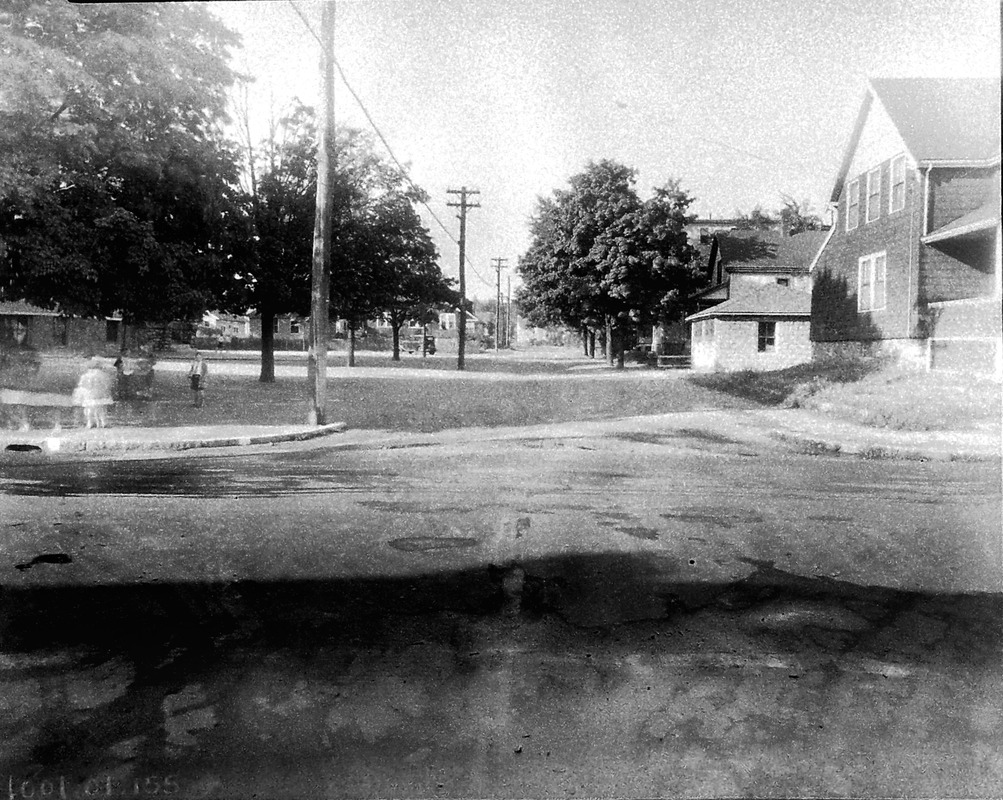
[{"x": 872, "y": 393}]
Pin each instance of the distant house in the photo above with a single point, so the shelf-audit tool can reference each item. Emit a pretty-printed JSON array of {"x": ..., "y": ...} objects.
[
  {"x": 702, "y": 230},
  {"x": 756, "y": 312},
  {"x": 27, "y": 326},
  {"x": 912, "y": 266},
  {"x": 228, "y": 326},
  {"x": 449, "y": 321},
  {"x": 285, "y": 327}
]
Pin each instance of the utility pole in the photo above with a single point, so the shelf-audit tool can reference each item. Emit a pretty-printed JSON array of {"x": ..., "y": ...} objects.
[
  {"x": 498, "y": 268},
  {"x": 320, "y": 278},
  {"x": 508, "y": 312},
  {"x": 463, "y": 205}
]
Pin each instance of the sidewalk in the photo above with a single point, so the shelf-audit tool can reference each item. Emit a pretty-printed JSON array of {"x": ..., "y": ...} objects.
[
  {"x": 136, "y": 439},
  {"x": 791, "y": 429}
]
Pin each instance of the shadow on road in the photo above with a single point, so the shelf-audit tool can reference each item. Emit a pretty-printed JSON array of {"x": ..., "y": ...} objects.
[{"x": 585, "y": 673}]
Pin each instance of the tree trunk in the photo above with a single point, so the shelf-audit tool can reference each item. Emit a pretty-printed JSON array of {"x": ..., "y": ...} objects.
[
  {"x": 351, "y": 345},
  {"x": 585, "y": 340},
  {"x": 617, "y": 339},
  {"x": 267, "y": 374},
  {"x": 397, "y": 340},
  {"x": 602, "y": 341},
  {"x": 592, "y": 343},
  {"x": 610, "y": 345}
]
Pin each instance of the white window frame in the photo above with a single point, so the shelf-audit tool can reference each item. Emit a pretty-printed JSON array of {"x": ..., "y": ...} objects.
[
  {"x": 872, "y": 282},
  {"x": 897, "y": 163},
  {"x": 853, "y": 194},
  {"x": 873, "y": 176},
  {"x": 766, "y": 342}
]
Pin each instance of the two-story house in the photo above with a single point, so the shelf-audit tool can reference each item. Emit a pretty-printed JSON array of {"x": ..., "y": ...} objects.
[
  {"x": 755, "y": 314},
  {"x": 912, "y": 266}
]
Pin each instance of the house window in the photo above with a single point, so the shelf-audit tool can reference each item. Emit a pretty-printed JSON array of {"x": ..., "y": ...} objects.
[
  {"x": 767, "y": 337},
  {"x": 852, "y": 205},
  {"x": 783, "y": 281},
  {"x": 873, "y": 194},
  {"x": 896, "y": 194},
  {"x": 111, "y": 331},
  {"x": 709, "y": 331},
  {"x": 275, "y": 324},
  {"x": 871, "y": 282},
  {"x": 294, "y": 326}
]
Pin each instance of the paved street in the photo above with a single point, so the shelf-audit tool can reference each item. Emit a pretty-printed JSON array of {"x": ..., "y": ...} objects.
[{"x": 631, "y": 611}]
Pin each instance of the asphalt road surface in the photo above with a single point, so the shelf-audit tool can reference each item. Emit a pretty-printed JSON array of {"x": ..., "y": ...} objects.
[{"x": 636, "y": 612}]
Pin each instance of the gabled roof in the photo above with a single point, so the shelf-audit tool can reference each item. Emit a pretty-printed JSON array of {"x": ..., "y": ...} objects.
[
  {"x": 769, "y": 251},
  {"x": 23, "y": 308},
  {"x": 942, "y": 121},
  {"x": 770, "y": 300}
]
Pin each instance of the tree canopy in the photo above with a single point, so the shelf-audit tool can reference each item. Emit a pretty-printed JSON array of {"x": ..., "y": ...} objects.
[
  {"x": 117, "y": 187},
  {"x": 383, "y": 259},
  {"x": 601, "y": 256}
]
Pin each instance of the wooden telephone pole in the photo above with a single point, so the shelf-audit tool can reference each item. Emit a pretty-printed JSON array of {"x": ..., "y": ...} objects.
[
  {"x": 508, "y": 312},
  {"x": 320, "y": 279},
  {"x": 463, "y": 205},
  {"x": 498, "y": 268}
]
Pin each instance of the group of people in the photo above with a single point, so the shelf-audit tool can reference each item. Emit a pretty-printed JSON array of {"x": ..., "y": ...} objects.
[{"x": 96, "y": 389}]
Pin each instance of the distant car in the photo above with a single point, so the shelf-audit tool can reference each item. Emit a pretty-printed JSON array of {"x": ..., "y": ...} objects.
[{"x": 412, "y": 344}]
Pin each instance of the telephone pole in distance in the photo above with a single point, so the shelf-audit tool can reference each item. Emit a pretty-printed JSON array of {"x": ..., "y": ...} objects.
[
  {"x": 498, "y": 268},
  {"x": 463, "y": 205}
]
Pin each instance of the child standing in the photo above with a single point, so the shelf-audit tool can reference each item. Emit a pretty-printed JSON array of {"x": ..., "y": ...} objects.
[{"x": 196, "y": 377}]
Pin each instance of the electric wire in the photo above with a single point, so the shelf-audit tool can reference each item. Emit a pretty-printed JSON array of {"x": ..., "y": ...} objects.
[{"x": 386, "y": 144}]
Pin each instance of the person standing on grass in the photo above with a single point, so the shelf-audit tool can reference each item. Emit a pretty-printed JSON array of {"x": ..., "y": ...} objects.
[
  {"x": 94, "y": 394},
  {"x": 196, "y": 376}
]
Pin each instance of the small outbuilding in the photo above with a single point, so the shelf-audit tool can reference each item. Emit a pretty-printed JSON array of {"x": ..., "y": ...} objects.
[{"x": 758, "y": 313}]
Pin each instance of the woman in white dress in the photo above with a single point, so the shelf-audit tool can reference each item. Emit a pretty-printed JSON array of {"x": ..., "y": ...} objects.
[{"x": 94, "y": 394}]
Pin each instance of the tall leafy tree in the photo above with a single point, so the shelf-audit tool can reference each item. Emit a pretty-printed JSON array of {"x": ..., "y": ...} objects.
[
  {"x": 600, "y": 256},
  {"x": 273, "y": 260},
  {"x": 414, "y": 287},
  {"x": 117, "y": 186}
]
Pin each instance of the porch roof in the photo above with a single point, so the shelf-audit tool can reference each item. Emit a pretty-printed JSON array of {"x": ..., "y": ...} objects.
[
  {"x": 985, "y": 217},
  {"x": 760, "y": 301}
]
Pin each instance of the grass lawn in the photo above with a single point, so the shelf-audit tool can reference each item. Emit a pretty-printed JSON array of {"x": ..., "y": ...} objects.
[
  {"x": 415, "y": 394},
  {"x": 871, "y": 393}
]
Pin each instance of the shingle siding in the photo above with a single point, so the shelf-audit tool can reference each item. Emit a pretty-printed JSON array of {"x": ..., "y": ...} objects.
[{"x": 834, "y": 296}]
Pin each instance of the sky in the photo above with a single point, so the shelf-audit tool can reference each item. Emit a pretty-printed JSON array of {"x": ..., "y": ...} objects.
[{"x": 743, "y": 102}]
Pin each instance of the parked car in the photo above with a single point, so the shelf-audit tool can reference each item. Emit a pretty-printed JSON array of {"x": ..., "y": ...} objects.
[{"x": 412, "y": 344}]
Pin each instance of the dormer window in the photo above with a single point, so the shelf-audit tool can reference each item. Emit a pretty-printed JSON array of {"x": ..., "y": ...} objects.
[
  {"x": 896, "y": 194},
  {"x": 783, "y": 281},
  {"x": 852, "y": 205},
  {"x": 873, "y": 194}
]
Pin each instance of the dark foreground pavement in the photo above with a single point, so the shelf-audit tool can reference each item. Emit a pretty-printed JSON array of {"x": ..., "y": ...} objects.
[
  {"x": 624, "y": 609},
  {"x": 487, "y": 683}
]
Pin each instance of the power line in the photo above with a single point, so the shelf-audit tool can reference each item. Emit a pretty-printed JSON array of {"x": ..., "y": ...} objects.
[{"x": 386, "y": 144}]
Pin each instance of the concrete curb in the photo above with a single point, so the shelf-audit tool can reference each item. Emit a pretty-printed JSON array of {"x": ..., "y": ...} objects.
[
  {"x": 872, "y": 451},
  {"x": 56, "y": 444}
]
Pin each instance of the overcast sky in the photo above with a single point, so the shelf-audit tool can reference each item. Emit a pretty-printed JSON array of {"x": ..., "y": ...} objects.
[{"x": 742, "y": 101}]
